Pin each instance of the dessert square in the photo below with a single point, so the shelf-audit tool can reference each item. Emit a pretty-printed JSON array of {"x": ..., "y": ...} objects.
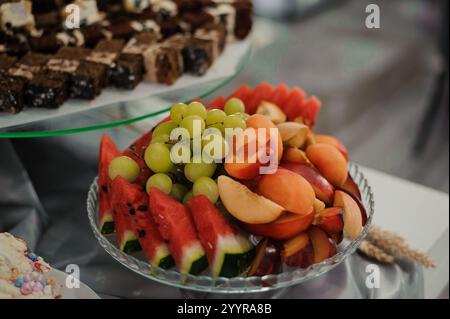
[
  {"x": 47, "y": 89},
  {"x": 163, "y": 64},
  {"x": 11, "y": 93}
]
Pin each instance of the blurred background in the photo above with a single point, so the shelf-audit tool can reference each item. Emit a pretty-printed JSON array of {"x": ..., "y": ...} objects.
[{"x": 384, "y": 91}]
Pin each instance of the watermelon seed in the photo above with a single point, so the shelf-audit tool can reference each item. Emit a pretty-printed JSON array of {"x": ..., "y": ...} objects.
[
  {"x": 142, "y": 233},
  {"x": 132, "y": 211},
  {"x": 143, "y": 208},
  {"x": 104, "y": 188},
  {"x": 129, "y": 205}
]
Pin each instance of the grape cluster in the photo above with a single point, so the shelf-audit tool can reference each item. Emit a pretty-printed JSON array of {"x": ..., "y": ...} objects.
[{"x": 182, "y": 181}]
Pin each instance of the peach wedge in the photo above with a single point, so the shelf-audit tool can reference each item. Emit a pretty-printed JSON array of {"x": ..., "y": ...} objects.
[
  {"x": 353, "y": 222},
  {"x": 329, "y": 161}
]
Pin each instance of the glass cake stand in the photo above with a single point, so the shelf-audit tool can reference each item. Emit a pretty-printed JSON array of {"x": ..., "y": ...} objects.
[
  {"x": 119, "y": 107},
  {"x": 205, "y": 283}
]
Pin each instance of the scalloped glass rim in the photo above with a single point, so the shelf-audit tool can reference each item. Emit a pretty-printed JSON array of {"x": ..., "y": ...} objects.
[
  {"x": 194, "y": 89},
  {"x": 241, "y": 284}
]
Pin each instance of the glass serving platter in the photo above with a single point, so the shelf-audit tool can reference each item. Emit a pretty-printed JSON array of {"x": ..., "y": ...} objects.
[
  {"x": 120, "y": 107},
  {"x": 206, "y": 283}
]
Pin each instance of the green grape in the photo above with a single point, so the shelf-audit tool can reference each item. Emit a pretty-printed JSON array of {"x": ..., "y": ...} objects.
[
  {"x": 178, "y": 191},
  {"x": 178, "y": 112},
  {"x": 194, "y": 171},
  {"x": 215, "y": 117},
  {"x": 124, "y": 166},
  {"x": 164, "y": 128},
  {"x": 196, "y": 108},
  {"x": 234, "y": 121},
  {"x": 208, "y": 187},
  {"x": 187, "y": 197},
  {"x": 209, "y": 146},
  {"x": 233, "y": 106},
  {"x": 161, "y": 182},
  {"x": 189, "y": 122},
  {"x": 244, "y": 116},
  {"x": 157, "y": 158},
  {"x": 218, "y": 126},
  {"x": 163, "y": 139}
]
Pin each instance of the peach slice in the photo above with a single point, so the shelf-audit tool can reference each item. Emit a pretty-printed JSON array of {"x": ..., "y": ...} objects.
[
  {"x": 298, "y": 251},
  {"x": 329, "y": 161},
  {"x": 294, "y": 134},
  {"x": 350, "y": 187},
  {"x": 257, "y": 121},
  {"x": 318, "y": 206},
  {"x": 330, "y": 220},
  {"x": 267, "y": 260},
  {"x": 287, "y": 226},
  {"x": 272, "y": 112},
  {"x": 289, "y": 190},
  {"x": 322, "y": 188},
  {"x": 353, "y": 222},
  {"x": 331, "y": 140},
  {"x": 245, "y": 205},
  {"x": 294, "y": 155},
  {"x": 323, "y": 247}
]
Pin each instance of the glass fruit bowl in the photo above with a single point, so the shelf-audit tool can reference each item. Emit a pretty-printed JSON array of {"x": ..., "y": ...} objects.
[{"x": 206, "y": 283}]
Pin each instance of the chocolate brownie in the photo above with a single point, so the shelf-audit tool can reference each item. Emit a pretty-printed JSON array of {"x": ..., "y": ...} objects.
[
  {"x": 106, "y": 53},
  {"x": 120, "y": 29},
  {"x": 128, "y": 72},
  {"x": 92, "y": 35},
  {"x": 244, "y": 18},
  {"x": 198, "y": 54},
  {"x": 11, "y": 93},
  {"x": 47, "y": 89},
  {"x": 86, "y": 78},
  {"x": 196, "y": 19},
  {"x": 7, "y": 61},
  {"x": 216, "y": 33},
  {"x": 163, "y": 64},
  {"x": 30, "y": 65},
  {"x": 45, "y": 43}
]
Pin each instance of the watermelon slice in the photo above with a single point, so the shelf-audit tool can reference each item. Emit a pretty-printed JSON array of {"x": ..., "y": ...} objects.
[
  {"x": 177, "y": 228},
  {"x": 280, "y": 95},
  {"x": 229, "y": 253},
  {"x": 134, "y": 207},
  {"x": 243, "y": 92},
  {"x": 293, "y": 105},
  {"x": 262, "y": 92},
  {"x": 108, "y": 151},
  {"x": 217, "y": 103},
  {"x": 122, "y": 199},
  {"x": 136, "y": 151},
  {"x": 310, "y": 110}
]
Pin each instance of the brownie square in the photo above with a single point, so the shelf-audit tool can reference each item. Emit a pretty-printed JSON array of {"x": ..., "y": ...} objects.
[
  {"x": 121, "y": 29},
  {"x": 92, "y": 35},
  {"x": 47, "y": 89},
  {"x": 7, "y": 61},
  {"x": 45, "y": 43},
  {"x": 244, "y": 19},
  {"x": 86, "y": 78},
  {"x": 197, "y": 53},
  {"x": 128, "y": 71},
  {"x": 29, "y": 65},
  {"x": 215, "y": 32},
  {"x": 106, "y": 53},
  {"x": 11, "y": 93},
  {"x": 163, "y": 64}
]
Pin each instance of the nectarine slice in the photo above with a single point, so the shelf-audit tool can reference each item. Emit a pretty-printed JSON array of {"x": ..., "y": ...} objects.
[
  {"x": 258, "y": 121},
  {"x": 321, "y": 186},
  {"x": 350, "y": 187},
  {"x": 298, "y": 251},
  {"x": 330, "y": 220},
  {"x": 323, "y": 247},
  {"x": 294, "y": 155},
  {"x": 289, "y": 190},
  {"x": 330, "y": 162},
  {"x": 353, "y": 223},
  {"x": 245, "y": 205},
  {"x": 267, "y": 260},
  {"x": 331, "y": 140},
  {"x": 286, "y": 226}
]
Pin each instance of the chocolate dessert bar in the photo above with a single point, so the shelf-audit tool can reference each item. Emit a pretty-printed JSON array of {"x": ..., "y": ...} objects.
[
  {"x": 11, "y": 93},
  {"x": 215, "y": 32},
  {"x": 244, "y": 18},
  {"x": 120, "y": 29},
  {"x": 163, "y": 64},
  {"x": 86, "y": 78},
  {"x": 29, "y": 65},
  {"x": 197, "y": 19},
  {"x": 47, "y": 89},
  {"x": 6, "y": 62},
  {"x": 198, "y": 54},
  {"x": 165, "y": 9},
  {"x": 105, "y": 54},
  {"x": 129, "y": 69}
]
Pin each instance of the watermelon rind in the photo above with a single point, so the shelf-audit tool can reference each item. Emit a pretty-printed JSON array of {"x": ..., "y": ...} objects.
[
  {"x": 129, "y": 243},
  {"x": 232, "y": 256},
  {"x": 194, "y": 260}
]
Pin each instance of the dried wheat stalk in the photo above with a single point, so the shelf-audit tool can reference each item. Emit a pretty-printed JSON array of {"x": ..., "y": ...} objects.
[
  {"x": 395, "y": 245},
  {"x": 373, "y": 251}
]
